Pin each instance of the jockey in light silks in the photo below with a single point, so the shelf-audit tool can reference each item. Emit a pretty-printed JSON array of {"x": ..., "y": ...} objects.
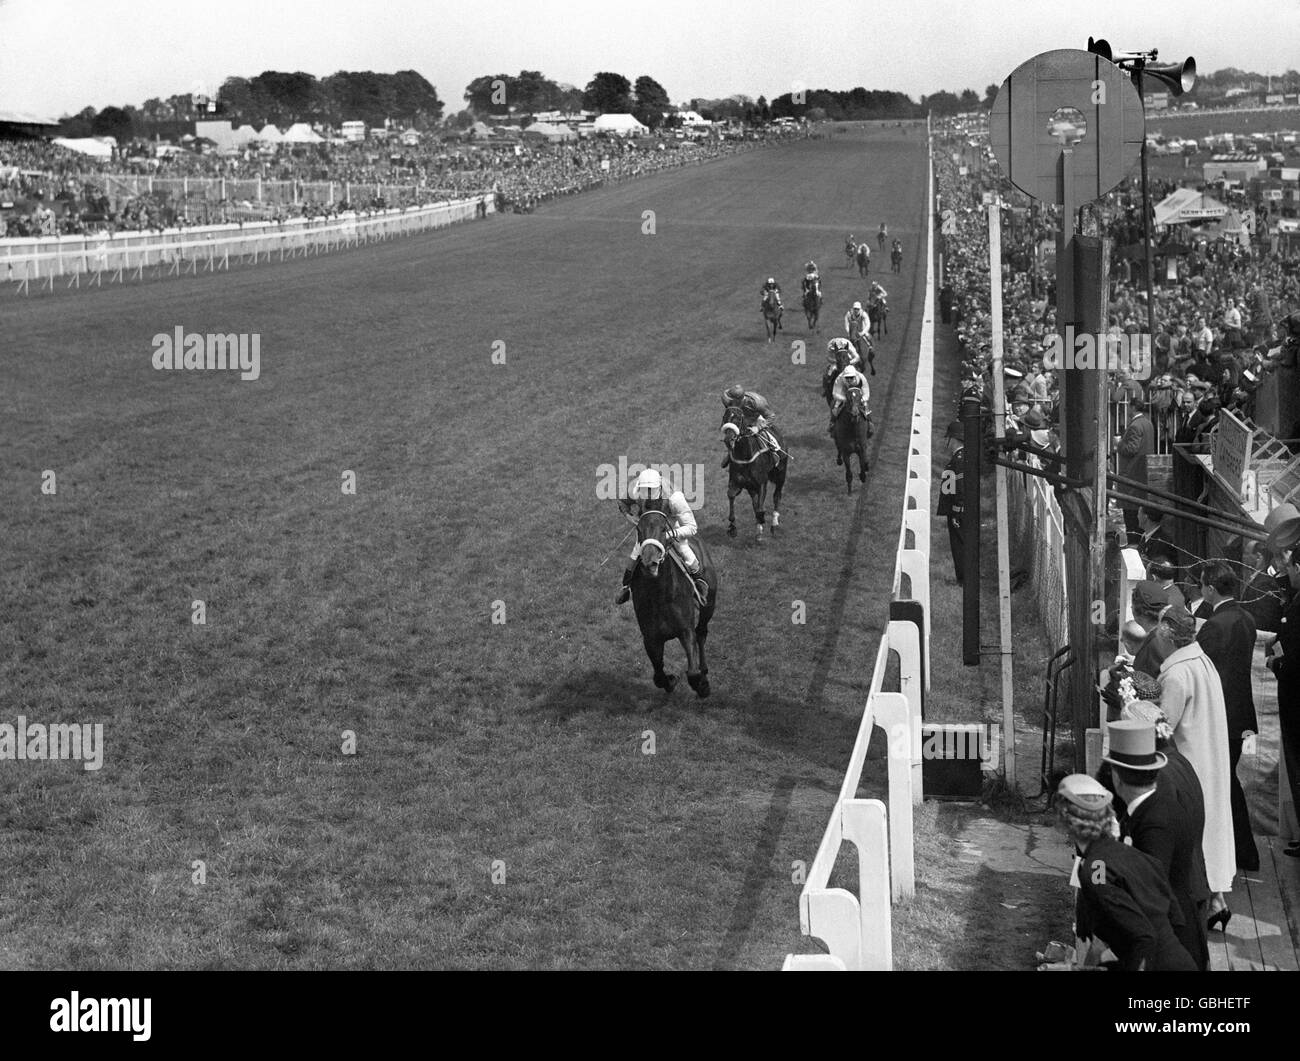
[
  {"x": 756, "y": 414},
  {"x": 847, "y": 379},
  {"x": 857, "y": 323},
  {"x": 812, "y": 281},
  {"x": 770, "y": 285},
  {"x": 648, "y": 493}
]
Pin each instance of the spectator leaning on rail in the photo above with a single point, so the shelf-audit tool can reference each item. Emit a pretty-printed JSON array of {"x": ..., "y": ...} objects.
[{"x": 1125, "y": 904}]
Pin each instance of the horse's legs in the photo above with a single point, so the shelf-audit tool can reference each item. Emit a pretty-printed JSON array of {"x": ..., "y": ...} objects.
[
  {"x": 759, "y": 498},
  {"x": 848, "y": 472},
  {"x": 655, "y": 650},
  {"x": 695, "y": 676},
  {"x": 776, "y": 502},
  {"x": 732, "y": 492}
]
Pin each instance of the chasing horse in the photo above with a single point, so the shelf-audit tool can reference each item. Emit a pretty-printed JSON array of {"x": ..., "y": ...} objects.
[
  {"x": 857, "y": 323},
  {"x": 672, "y": 585},
  {"x": 878, "y": 309},
  {"x": 850, "y": 248},
  {"x": 772, "y": 309},
  {"x": 863, "y": 259},
  {"x": 851, "y": 423},
  {"x": 812, "y": 295},
  {"x": 896, "y": 256},
  {"x": 756, "y": 457}
]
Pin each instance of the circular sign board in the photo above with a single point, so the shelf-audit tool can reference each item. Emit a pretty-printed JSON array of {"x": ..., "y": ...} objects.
[{"x": 1025, "y": 126}]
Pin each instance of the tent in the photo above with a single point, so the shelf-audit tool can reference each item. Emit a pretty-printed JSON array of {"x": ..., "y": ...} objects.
[
  {"x": 86, "y": 146},
  {"x": 1187, "y": 205},
  {"x": 270, "y": 135},
  {"x": 619, "y": 125},
  {"x": 302, "y": 133},
  {"x": 551, "y": 133}
]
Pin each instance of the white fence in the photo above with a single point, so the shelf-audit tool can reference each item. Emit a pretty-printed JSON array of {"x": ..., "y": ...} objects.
[
  {"x": 126, "y": 255},
  {"x": 857, "y": 929},
  {"x": 1038, "y": 538}
]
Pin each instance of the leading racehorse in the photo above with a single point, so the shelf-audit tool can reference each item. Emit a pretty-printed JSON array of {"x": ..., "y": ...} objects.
[
  {"x": 666, "y": 605},
  {"x": 852, "y": 432},
  {"x": 752, "y": 466},
  {"x": 772, "y": 311}
]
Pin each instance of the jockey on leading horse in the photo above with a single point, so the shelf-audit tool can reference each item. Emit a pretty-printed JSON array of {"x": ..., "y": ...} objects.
[
  {"x": 756, "y": 414},
  {"x": 848, "y": 378},
  {"x": 648, "y": 493}
]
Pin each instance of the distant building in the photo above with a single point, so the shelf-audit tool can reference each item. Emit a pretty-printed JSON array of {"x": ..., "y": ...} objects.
[{"x": 1236, "y": 167}]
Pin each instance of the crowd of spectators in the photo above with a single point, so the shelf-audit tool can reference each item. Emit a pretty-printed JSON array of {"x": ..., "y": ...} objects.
[
  {"x": 40, "y": 177},
  {"x": 1177, "y": 699},
  {"x": 1219, "y": 327}
]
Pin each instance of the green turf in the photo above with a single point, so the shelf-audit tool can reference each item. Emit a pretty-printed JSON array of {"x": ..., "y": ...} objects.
[{"x": 477, "y": 743}]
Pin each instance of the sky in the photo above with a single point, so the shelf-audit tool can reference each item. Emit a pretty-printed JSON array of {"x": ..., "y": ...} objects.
[{"x": 58, "y": 56}]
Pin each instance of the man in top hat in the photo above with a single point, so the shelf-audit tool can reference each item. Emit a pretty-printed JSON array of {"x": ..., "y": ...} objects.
[
  {"x": 1124, "y": 898},
  {"x": 1158, "y": 826},
  {"x": 951, "y": 498}
]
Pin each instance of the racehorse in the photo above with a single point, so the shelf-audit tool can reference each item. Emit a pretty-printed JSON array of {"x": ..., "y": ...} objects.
[
  {"x": 751, "y": 468},
  {"x": 663, "y": 597},
  {"x": 852, "y": 430},
  {"x": 850, "y": 251},
  {"x": 863, "y": 258},
  {"x": 772, "y": 311},
  {"x": 812, "y": 306},
  {"x": 866, "y": 351},
  {"x": 879, "y": 311},
  {"x": 896, "y": 257}
]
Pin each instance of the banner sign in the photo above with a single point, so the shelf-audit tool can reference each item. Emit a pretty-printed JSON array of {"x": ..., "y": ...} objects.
[{"x": 1231, "y": 452}]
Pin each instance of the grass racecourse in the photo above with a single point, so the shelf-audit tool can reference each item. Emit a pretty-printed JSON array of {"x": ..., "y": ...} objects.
[{"x": 456, "y": 614}]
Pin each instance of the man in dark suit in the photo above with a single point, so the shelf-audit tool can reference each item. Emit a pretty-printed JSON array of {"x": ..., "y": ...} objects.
[
  {"x": 1154, "y": 545},
  {"x": 1228, "y": 638},
  {"x": 1158, "y": 825},
  {"x": 1136, "y": 445},
  {"x": 1284, "y": 659},
  {"x": 952, "y": 498}
]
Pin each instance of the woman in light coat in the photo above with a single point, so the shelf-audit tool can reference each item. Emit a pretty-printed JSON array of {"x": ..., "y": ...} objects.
[{"x": 1192, "y": 699}]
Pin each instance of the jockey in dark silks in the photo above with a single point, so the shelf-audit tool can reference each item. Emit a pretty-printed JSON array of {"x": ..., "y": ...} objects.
[
  {"x": 756, "y": 415},
  {"x": 812, "y": 281}
]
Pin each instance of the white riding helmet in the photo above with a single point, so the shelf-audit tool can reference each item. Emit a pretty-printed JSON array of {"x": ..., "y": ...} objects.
[
  {"x": 857, "y": 305},
  {"x": 648, "y": 480},
  {"x": 771, "y": 280}
]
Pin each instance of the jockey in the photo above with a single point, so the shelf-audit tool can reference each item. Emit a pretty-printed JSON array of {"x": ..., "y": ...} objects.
[
  {"x": 857, "y": 323},
  {"x": 851, "y": 243},
  {"x": 877, "y": 293},
  {"x": 847, "y": 379},
  {"x": 812, "y": 281},
  {"x": 772, "y": 286},
  {"x": 841, "y": 352},
  {"x": 756, "y": 415},
  {"x": 883, "y": 234},
  {"x": 648, "y": 493}
]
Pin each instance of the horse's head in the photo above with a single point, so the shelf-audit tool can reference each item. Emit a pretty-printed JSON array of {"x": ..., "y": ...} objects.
[
  {"x": 857, "y": 403},
  {"x": 732, "y": 425},
  {"x": 651, "y": 537}
]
